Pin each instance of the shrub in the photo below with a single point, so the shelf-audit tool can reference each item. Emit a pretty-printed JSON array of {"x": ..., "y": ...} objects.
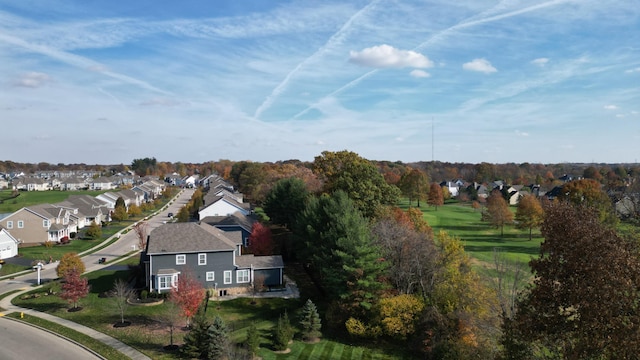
[
  {"x": 144, "y": 294},
  {"x": 70, "y": 261}
]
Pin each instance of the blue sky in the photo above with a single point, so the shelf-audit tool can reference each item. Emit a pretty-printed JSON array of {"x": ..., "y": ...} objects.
[{"x": 496, "y": 81}]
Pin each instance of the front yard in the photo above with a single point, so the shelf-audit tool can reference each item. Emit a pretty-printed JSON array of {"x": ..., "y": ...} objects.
[{"x": 149, "y": 336}]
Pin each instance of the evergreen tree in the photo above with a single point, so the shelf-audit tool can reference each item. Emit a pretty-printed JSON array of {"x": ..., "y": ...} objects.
[
  {"x": 196, "y": 340},
  {"x": 217, "y": 339},
  {"x": 285, "y": 201},
  {"x": 310, "y": 321},
  {"x": 339, "y": 248},
  {"x": 253, "y": 339},
  {"x": 283, "y": 333}
]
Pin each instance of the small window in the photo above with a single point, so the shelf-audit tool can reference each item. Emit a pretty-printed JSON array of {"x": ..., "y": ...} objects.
[
  {"x": 202, "y": 259},
  {"x": 227, "y": 277},
  {"x": 45, "y": 223},
  {"x": 211, "y": 276},
  {"x": 9, "y": 224},
  {"x": 20, "y": 224},
  {"x": 181, "y": 259},
  {"x": 164, "y": 282},
  {"x": 242, "y": 276}
]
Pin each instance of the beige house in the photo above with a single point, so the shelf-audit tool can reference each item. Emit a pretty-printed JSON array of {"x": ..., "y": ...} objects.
[
  {"x": 38, "y": 224},
  {"x": 36, "y": 184}
]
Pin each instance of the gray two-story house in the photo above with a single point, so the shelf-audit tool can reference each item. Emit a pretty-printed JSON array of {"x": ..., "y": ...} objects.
[{"x": 212, "y": 256}]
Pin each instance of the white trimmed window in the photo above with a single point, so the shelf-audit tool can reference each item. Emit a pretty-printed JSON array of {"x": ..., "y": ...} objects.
[
  {"x": 202, "y": 259},
  {"x": 211, "y": 276},
  {"x": 20, "y": 224},
  {"x": 227, "y": 277},
  {"x": 166, "y": 282},
  {"x": 181, "y": 259},
  {"x": 9, "y": 224},
  {"x": 242, "y": 276},
  {"x": 45, "y": 223}
]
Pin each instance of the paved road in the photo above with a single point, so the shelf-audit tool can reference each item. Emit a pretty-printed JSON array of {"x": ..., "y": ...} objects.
[
  {"x": 21, "y": 341},
  {"x": 16, "y": 344}
]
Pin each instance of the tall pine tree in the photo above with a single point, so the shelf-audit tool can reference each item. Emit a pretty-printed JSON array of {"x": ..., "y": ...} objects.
[{"x": 310, "y": 322}]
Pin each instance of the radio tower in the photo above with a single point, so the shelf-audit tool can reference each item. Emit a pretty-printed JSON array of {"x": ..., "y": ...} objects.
[{"x": 432, "y": 144}]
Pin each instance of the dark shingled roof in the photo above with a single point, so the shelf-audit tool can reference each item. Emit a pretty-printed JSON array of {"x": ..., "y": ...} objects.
[
  {"x": 236, "y": 219},
  {"x": 188, "y": 237},
  {"x": 260, "y": 262}
]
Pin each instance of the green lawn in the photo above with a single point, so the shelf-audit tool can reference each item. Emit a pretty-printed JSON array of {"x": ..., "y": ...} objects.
[
  {"x": 480, "y": 238},
  {"x": 12, "y": 269},
  {"x": 149, "y": 337},
  {"x": 27, "y": 198}
]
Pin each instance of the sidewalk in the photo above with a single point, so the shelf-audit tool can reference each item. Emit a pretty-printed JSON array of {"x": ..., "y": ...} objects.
[{"x": 132, "y": 353}]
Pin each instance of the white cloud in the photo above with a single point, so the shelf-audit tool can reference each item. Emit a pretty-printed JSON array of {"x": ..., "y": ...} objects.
[
  {"x": 540, "y": 62},
  {"x": 610, "y": 107},
  {"x": 480, "y": 65},
  {"x": 386, "y": 56},
  {"x": 32, "y": 80},
  {"x": 520, "y": 133},
  {"x": 419, "y": 74},
  {"x": 633, "y": 70}
]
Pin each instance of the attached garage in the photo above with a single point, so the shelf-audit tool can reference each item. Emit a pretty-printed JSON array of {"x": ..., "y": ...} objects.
[{"x": 8, "y": 245}]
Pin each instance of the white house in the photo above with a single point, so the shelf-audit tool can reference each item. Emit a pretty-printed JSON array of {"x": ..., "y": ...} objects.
[
  {"x": 8, "y": 244},
  {"x": 222, "y": 206}
]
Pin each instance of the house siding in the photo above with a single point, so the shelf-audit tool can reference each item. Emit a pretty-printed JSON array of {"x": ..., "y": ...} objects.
[
  {"x": 32, "y": 233},
  {"x": 217, "y": 262}
]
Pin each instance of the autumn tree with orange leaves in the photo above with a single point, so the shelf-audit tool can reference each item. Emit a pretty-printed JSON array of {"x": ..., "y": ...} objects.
[
  {"x": 498, "y": 213},
  {"x": 187, "y": 295},
  {"x": 74, "y": 287},
  {"x": 436, "y": 197},
  {"x": 260, "y": 240}
]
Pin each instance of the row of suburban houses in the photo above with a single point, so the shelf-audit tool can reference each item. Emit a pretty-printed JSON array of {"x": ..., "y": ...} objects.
[{"x": 42, "y": 223}]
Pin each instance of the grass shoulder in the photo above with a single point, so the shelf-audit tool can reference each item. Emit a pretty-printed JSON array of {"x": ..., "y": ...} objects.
[{"x": 76, "y": 336}]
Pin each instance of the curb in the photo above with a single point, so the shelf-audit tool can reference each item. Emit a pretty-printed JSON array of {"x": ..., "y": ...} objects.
[{"x": 56, "y": 334}]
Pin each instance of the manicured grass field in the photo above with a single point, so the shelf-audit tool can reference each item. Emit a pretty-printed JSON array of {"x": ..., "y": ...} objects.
[
  {"x": 479, "y": 237},
  {"x": 27, "y": 198}
]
